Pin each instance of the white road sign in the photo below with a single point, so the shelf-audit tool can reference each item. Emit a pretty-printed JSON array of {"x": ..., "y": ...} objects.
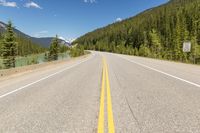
[{"x": 187, "y": 46}]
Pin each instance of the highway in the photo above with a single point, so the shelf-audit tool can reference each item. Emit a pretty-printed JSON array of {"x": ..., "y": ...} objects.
[{"x": 103, "y": 93}]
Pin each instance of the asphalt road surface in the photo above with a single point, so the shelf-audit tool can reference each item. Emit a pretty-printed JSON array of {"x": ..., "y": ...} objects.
[{"x": 103, "y": 93}]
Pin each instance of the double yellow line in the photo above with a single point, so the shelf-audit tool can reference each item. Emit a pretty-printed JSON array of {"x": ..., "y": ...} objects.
[{"x": 105, "y": 83}]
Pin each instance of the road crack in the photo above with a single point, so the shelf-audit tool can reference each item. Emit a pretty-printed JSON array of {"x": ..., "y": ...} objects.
[{"x": 131, "y": 110}]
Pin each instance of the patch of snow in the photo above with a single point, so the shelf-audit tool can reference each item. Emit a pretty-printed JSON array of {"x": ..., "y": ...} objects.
[{"x": 2, "y": 25}]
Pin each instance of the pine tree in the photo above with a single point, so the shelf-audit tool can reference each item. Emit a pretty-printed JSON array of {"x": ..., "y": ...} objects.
[
  {"x": 54, "y": 49},
  {"x": 9, "y": 47},
  {"x": 194, "y": 50},
  {"x": 156, "y": 44},
  {"x": 144, "y": 49}
]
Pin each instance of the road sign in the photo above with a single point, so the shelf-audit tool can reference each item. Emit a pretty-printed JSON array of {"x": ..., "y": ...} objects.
[{"x": 187, "y": 46}]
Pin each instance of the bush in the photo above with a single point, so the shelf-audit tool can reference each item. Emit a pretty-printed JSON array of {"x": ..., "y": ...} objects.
[{"x": 77, "y": 51}]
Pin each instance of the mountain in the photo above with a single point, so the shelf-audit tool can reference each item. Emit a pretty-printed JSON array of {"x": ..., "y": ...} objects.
[
  {"x": 44, "y": 41},
  {"x": 26, "y": 46},
  {"x": 158, "y": 32},
  {"x": 3, "y": 28}
]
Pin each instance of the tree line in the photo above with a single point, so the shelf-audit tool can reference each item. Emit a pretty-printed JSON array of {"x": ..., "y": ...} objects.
[{"x": 157, "y": 33}]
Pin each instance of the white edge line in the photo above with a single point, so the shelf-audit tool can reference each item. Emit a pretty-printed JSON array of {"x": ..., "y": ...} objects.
[
  {"x": 189, "y": 82},
  {"x": 49, "y": 76}
]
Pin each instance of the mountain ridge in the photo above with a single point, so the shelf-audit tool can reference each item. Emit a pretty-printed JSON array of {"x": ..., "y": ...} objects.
[
  {"x": 42, "y": 41},
  {"x": 157, "y": 32}
]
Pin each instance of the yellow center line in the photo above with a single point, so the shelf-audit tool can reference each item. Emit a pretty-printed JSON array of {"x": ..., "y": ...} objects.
[
  {"x": 111, "y": 127},
  {"x": 101, "y": 111},
  {"x": 105, "y": 78}
]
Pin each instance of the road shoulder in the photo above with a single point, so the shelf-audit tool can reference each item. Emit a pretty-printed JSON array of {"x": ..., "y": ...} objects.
[{"x": 19, "y": 71}]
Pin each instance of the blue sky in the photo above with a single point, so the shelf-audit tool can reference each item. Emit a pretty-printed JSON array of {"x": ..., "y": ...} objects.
[{"x": 69, "y": 18}]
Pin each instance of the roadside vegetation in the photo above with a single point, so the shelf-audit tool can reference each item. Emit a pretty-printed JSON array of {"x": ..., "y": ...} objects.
[
  {"x": 155, "y": 33},
  {"x": 77, "y": 51},
  {"x": 13, "y": 46}
]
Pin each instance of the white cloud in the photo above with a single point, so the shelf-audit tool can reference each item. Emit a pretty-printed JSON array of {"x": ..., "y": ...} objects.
[
  {"x": 90, "y": 1},
  {"x": 8, "y": 4},
  {"x": 118, "y": 20},
  {"x": 41, "y": 33},
  {"x": 32, "y": 4}
]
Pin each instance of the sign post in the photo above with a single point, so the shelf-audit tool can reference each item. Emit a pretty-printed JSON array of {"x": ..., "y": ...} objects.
[{"x": 187, "y": 47}]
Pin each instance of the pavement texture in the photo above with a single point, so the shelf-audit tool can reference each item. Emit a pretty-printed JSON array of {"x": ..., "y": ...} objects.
[{"x": 148, "y": 96}]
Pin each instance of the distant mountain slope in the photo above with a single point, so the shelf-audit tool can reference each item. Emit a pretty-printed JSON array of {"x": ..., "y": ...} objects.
[
  {"x": 44, "y": 41},
  {"x": 158, "y": 33},
  {"x": 3, "y": 28},
  {"x": 25, "y": 47}
]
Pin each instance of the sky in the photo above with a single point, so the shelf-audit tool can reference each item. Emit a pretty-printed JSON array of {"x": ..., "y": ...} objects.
[{"x": 69, "y": 18}]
